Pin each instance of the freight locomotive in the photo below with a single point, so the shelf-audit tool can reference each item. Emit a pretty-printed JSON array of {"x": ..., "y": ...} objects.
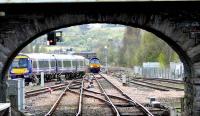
[
  {"x": 30, "y": 66},
  {"x": 94, "y": 65}
]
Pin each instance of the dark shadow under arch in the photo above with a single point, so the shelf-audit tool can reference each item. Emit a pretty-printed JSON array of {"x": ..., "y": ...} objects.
[{"x": 182, "y": 54}]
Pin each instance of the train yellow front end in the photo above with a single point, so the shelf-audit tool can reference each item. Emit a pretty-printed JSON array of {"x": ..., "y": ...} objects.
[{"x": 20, "y": 67}]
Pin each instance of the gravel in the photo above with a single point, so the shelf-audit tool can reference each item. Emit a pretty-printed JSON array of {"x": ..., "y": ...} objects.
[
  {"x": 142, "y": 96},
  {"x": 41, "y": 104}
]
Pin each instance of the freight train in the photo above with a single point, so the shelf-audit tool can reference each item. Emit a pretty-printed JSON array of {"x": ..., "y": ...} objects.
[{"x": 29, "y": 66}]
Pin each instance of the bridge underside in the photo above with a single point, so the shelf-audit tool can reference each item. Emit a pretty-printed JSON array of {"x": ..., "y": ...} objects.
[{"x": 177, "y": 23}]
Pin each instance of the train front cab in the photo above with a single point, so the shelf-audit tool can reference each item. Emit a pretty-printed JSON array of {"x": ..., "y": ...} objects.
[
  {"x": 21, "y": 68},
  {"x": 94, "y": 65}
]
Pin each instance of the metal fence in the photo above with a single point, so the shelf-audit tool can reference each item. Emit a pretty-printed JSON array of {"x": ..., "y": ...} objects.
[
  {"x": 166, "y": 73},
  {"x": 153, "y": 70}
]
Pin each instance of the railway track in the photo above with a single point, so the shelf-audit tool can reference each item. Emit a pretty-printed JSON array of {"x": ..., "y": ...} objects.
[
  {"x": 127, "y": 106},
  {"x": 145, "y": 83},
  {"x": 73, "y": 84},
  {"x": 75, "y": 87},
  {"x": 154, "y": 86},
  {"x": 163, "y": 80},
  {"x": 75, "y": 92},
  {"x": 70, "y": 88},
  {"x": 44, "y": 90}
]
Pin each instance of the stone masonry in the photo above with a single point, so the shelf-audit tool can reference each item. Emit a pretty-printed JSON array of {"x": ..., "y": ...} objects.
[{"x": 177, "y": 23}]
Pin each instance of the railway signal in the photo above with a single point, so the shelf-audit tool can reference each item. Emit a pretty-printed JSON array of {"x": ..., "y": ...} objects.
[{"x": 53, "y": 37}]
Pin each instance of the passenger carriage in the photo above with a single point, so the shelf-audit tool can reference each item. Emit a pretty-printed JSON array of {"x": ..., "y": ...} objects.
[{"x": 51, "y": 64}]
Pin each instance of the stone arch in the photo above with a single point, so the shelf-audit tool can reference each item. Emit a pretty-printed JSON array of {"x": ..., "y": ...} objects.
[
  {"x": 161, "y": 27},
  {"x": 37, "y": 29}
]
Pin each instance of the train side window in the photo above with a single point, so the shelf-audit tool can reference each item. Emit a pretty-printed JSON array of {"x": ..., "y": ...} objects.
[
  {"x": 81, "y": 63},
  {"x": 43, "y": 64},
  {"x": 53, "y": 64},
  {"x": 67, "y": 63},
  {"x": 34, "y": 64},
  {"x": 59, "y": 63},
  {"x": 74, "y": 63}
]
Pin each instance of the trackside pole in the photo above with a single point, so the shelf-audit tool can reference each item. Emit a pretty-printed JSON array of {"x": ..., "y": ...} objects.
[
  {"x": 124, "y": 80},
  {"x": 42, "y": 79}
]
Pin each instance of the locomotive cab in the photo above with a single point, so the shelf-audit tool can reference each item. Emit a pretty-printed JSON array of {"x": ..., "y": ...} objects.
[
  {"x": 21, "y": 68},
  {"x": 94, "y": 65}
]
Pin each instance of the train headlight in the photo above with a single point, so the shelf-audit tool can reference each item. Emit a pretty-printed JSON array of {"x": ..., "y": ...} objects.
[
  {"x": 12, "y": 71},
  {"x": 26, "y": 71},
  {"x": 26, "y": 76}
]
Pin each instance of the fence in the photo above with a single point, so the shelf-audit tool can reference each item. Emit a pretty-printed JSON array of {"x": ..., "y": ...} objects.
[
  {"x": 153, "y": 70},
  {"x": 166, "y": 73}
]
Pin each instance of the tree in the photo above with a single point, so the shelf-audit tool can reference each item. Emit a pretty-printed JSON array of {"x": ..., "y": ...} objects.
[
  {"x": 131, "y": 42},
  {"x": 162, "y": 58}
]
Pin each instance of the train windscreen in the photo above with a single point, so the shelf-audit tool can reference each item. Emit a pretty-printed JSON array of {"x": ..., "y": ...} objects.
[
  {"x": 94, "y": 61},
  {"x": 20, "y": 63}
]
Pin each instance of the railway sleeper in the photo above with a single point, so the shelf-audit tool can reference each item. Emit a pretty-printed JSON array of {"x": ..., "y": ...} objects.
[
  {"x": 124, "y": 105},
  {"x": 143, "y": 81},
  {"x": 75, "y": 87},
  {"x": 130, "y": 111},
  {"x": 131, "y": 114},
  {"x": 145, "y": 85}
]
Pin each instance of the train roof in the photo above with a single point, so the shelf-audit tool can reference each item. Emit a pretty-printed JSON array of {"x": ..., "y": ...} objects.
[
  {"x": 21, "y": 56},
  {"x": 44, "y": 56},
  {"x": 72, "y": 57},
  {"x": 39, "y": 55}
]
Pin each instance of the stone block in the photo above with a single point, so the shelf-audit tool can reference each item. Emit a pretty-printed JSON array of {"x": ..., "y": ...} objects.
[
  {"x": 194, "y": 51},
  {"x": 195, "y": 81}
]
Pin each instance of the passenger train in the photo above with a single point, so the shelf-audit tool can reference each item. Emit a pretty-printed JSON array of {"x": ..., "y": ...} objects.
[
  {"x": 94, "y": 65},
  {"x": 30, "y": 66}
]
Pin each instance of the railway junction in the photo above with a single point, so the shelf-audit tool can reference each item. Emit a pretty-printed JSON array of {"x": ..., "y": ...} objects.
[
  {"x": 98, "y": 94},
  {"x": 177, "y": 23}
]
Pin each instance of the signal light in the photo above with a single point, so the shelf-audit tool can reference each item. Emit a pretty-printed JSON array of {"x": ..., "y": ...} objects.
[{"x": 53, "y": 37}]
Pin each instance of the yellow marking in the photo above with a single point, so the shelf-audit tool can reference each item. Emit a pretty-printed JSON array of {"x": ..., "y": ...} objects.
[
  {"x": 94, "y": 65},
  {"x": 21, "y": 56},
  {"x": 19, "y": 70}
]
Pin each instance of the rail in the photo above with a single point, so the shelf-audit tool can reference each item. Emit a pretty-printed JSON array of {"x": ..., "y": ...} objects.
[
  {"x": 80, "y": 99},
  {"x": 168, "y": 87},
  {"x": 43, "y": 90},
  {"x": 164, "y": 80},
  {"x": 106, "y": 96},
  {"x": 58, "y": 100},
  {"x": 141, "y": 107}
]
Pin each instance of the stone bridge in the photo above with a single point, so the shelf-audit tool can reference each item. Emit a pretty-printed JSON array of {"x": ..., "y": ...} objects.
[{"x": 177, "y": 23}]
